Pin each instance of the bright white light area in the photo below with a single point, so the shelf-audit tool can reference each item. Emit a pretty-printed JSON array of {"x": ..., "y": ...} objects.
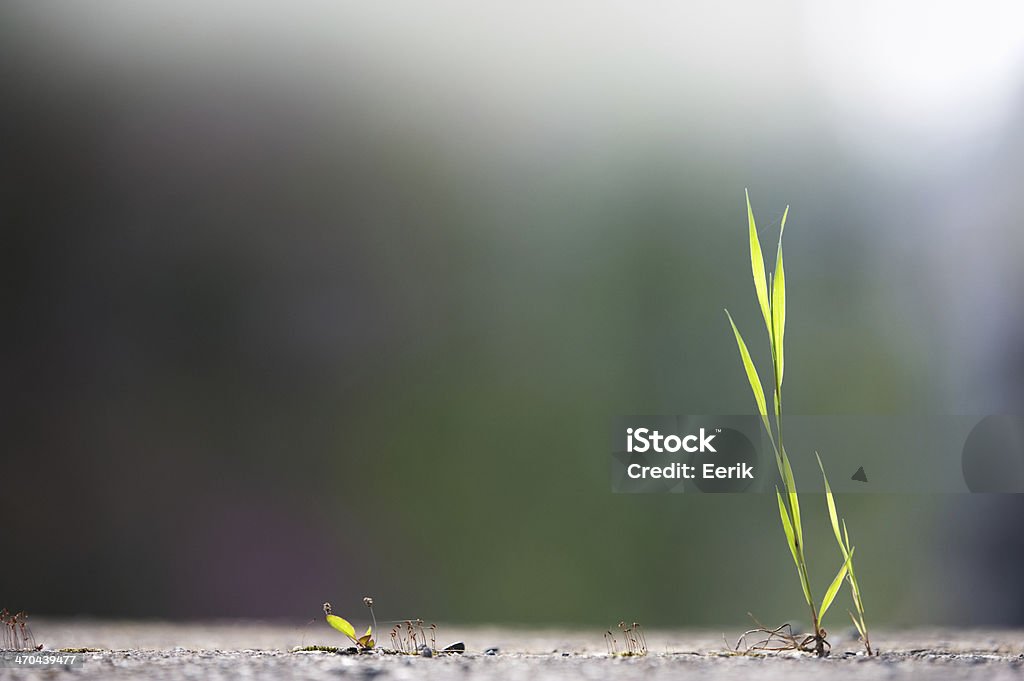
[{"x": 919, "y": 65}]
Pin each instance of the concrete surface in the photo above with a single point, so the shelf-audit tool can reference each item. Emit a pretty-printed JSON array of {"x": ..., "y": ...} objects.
[{"x": 153, "y": 650}]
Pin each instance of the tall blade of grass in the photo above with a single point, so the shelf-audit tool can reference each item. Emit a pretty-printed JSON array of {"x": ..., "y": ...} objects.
[
  {"x": 778, "y": 310},
  {"x": 755, "y": 380},
  {"x": 757, "y": 266},
  {"x": 833, "y": 588}
]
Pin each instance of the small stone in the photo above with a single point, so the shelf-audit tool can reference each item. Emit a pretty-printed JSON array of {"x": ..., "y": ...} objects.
[
  {"x": 491, "y": 651},
  {"x": 425, "y": 651},
  {"x": 457, "y": 647}
]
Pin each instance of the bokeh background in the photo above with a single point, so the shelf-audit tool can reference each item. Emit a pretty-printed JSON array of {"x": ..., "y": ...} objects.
[{"x": 335, "y": 299}]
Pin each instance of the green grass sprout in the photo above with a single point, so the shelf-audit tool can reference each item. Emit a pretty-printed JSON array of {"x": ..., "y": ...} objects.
[{"x": 771, "y": 297}]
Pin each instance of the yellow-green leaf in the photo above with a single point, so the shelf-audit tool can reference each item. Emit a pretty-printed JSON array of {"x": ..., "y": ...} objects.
[
  {"x": 757, "y": 266},
  {"x": 755, "y": 380},
  {"x": 342, "y": 625},
  {"x": 778, "y": 309},
  {"x": 805, "y": 584},
  {"x": 833, "y": 588},
  {"x": 787, "y": 527},
  {"x": 833, "y": 516},
  {"x": 794, "y": 500}
]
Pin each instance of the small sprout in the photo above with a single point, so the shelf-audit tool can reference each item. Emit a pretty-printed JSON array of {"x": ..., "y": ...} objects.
[{"x": 364, "y": 642}]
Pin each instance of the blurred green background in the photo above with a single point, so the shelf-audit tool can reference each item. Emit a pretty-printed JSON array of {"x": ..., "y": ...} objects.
[{"x": 309, "y": 304}]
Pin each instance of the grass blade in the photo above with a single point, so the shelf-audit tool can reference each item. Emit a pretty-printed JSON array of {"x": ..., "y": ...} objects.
[
  {"x": 794, "y": 500},
  {"x": 778, "y": 310},
  {"x": 858, "y": 625},
  {"x": 833, "y": 516},
  {"x": 805, "y": 585},
  {"x": 757, "y": 266},
  {"x": 794, "y": 549},
  {"x": 833, "y": 588},
  {"x": 755, "y": 380},
  {"x": 787, "y": 527}
]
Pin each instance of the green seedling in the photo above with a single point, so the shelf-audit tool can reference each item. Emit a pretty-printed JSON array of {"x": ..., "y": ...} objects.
[
  {"x": 771, "y": 298},
  {"x": 364, "y": 642}
]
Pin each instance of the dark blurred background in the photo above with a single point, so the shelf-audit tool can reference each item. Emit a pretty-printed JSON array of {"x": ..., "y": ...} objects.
[{"x": 310, "y": 303}]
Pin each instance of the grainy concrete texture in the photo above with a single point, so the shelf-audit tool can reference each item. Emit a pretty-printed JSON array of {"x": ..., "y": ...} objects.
[{"x": 150, "y": 650}]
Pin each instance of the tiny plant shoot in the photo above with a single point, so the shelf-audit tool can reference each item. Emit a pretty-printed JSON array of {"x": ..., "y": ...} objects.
[
  {"x": 771, "y": 297},
  {"x": 364, "y": 642}
]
